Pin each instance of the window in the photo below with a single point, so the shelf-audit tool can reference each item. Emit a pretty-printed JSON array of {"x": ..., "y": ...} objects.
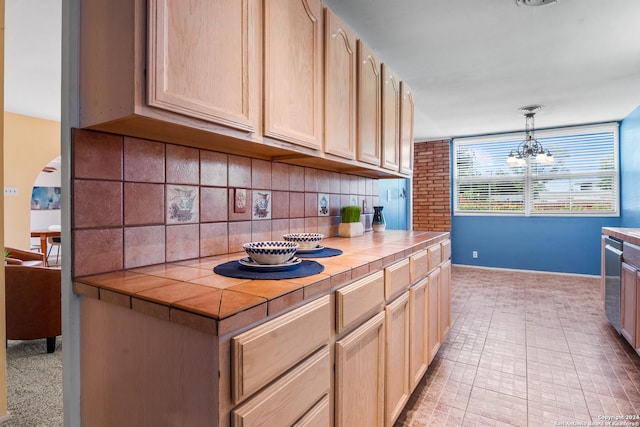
[{"x": 583, "y": 179}]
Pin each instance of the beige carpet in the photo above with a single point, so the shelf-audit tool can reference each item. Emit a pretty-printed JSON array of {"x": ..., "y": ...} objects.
[{"x": 34, "y": 384}]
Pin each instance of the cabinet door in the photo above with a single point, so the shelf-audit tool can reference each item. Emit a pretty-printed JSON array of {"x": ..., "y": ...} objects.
[
  {"x": 445, "y": 300},
  {"x": 406, "y": 130},
  {"x": 369, "y": 97},
  {"x": 359, "y": 385},
  {"x": 204, "y": 60},
  {"x": 628, "y": 305},
  {"x": 397, "y": 388},
  {"x": 293, "y": 70},
  {"x": 390, "y": 119},
  {"x": 290, "y": 397},
  {"x": 339, "y": 88},
  {"x": 418, "y": 328},
  {"x": 433, "y": 283}
]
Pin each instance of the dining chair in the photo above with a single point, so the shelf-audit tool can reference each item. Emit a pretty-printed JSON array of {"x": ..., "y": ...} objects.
[{"x": 54, "y": 241}]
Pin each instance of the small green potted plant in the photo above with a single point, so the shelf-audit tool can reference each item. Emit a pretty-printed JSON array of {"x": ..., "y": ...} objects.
[{"x": 350, "y": 225}]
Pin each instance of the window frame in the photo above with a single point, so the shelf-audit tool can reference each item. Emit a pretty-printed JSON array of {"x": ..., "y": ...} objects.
[{"x": 529, "y": 177}]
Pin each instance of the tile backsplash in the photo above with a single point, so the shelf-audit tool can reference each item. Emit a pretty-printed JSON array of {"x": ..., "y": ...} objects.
[{"x": 138, "y": 202}]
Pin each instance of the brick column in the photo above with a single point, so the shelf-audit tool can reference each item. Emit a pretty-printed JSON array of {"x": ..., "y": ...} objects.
[{"x": 431, "y": 186}]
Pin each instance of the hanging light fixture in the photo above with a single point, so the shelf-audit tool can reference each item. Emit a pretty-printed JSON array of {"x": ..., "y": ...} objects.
[
  {"x": 534, "y": 2},
  {"x": 530, "y": 147}
]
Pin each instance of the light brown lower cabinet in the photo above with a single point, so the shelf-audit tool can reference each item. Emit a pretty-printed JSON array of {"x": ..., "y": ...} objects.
[
  {"x": 418, "y": 330},
  {"x": 289, "y": 398},
  {"x": 444, "y": 316},
  {"x": 629, "y": 303},
  {"x": 359, "y": 382},
  {"x": 433, "y": 284},
  {"x": 397, "y": 387},
  {"x": 265, "y": 352},
  {"x": 318, "y": 416}
]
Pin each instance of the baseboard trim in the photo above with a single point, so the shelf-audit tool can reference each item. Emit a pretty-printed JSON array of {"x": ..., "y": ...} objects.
[
  {"x": 591, "y": 276},
  {"x": 5, "y": 417}
]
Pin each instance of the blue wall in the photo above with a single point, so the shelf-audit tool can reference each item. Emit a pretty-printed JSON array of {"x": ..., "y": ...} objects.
[
  {"x": 630, "y": 169},
  {"x": 558, "y": 244},
  {"x": 393, "y": 195}
]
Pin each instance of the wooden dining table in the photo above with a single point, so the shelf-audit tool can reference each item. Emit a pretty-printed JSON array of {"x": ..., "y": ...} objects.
[{"x": 43, "y": 235}]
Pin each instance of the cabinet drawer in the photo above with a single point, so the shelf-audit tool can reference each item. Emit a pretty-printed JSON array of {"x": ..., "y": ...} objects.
[
  {"x": 445, "y": 247},
  {"x": 357, "y": 299},
  {"x": 397, "y": 278},
  {"x": 318, "y": 416},
  {"x": 419, "y": 265},
  {"x": 265, "y": 352},
  {"x": 631, "y": 254},
  {"x": 434, "y": 256},
  {"x": 288, "y": 399}
]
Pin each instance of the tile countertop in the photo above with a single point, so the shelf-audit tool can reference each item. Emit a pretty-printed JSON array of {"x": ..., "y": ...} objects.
[
  {"x": 190, "y": 293},
  {"x": 631, "y": 235}
]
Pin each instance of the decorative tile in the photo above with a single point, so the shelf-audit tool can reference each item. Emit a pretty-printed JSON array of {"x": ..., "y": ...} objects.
[
  {"x": 182, "y": 204},
  {"x": 323, "y": 204},
  {"x": 261, "y": 206}
]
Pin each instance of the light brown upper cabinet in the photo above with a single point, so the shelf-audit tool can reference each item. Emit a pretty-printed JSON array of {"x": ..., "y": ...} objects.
[
  {"x": 406, "y": 130},
  {"x": 203, "y": 61},
  {"x": 244, "y": 77},
  {"x": 293, "y": 71},
  {"x": 339, "y": 88},
  {"x": 390, "y": 119},
  {"x": 369, "y": 96}
]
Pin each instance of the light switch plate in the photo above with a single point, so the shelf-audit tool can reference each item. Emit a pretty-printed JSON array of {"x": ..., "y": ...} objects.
[{"x": 10, "y": 191}]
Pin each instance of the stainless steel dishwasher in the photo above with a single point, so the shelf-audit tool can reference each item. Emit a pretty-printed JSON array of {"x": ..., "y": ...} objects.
[{"x": 612, "y": 271}]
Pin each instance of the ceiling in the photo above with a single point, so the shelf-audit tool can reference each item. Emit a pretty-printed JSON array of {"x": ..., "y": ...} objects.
[{"x": 471, "y": 64}]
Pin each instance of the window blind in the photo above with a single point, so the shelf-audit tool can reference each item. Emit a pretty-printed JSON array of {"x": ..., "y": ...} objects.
[{"x": 582, "y": 180}]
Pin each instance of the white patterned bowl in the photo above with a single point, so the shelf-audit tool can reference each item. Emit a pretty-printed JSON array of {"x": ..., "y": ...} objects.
[
  {"x": 271, "y": 253},
  {"x": 305, "y": 240}
]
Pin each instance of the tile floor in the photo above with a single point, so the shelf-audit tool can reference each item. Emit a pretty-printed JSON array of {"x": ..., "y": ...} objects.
[{"x": 527, "y": 349}]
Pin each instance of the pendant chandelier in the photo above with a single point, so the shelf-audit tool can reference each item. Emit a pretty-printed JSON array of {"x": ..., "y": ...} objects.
[
  {"x": 530, "y": 147},
  {"x": 534, "y": 2}
]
